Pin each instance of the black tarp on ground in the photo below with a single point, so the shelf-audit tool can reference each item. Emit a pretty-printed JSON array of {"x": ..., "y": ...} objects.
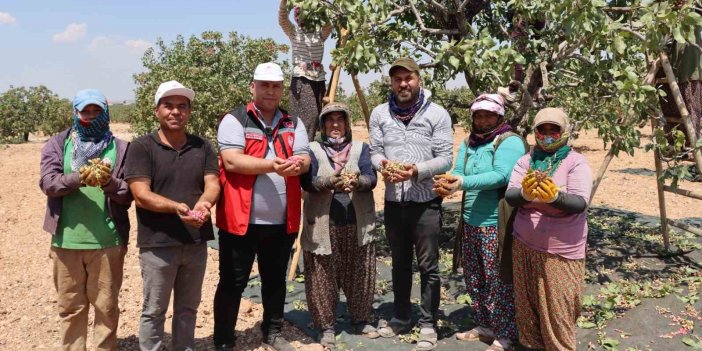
[{"x": 616, "y": 239}]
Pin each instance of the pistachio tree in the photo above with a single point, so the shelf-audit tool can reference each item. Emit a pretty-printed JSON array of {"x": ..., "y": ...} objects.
[
  {"x": 589, "y": 56},
  {"x": 29, "y": 110},
  {"x": 219, "y": 69}
]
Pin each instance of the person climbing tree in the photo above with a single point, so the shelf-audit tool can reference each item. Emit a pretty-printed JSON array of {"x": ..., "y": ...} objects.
[{"x": 307, "y": 87}]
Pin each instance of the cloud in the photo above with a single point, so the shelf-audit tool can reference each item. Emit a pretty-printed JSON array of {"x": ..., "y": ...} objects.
[
  {"x": 114, "y": 43},
  {"x": 6, "y": 18},
  {"x": 138, "y": 45},
  {"x": 73, "y": 33},
  {"x": 100, "y": 42}
]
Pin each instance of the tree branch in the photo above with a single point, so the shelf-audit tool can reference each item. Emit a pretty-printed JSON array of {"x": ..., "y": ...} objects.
[
  {"x": 422, "y": 48},
  {"x": 398, "y": 10},
  {"x": 438, "y": 6},
  {"x": 423, "y": 28},
  {"x": 618, "y": 9},
  {"x": 633, "y": 32},
  {"x": 471, "y": 83}
]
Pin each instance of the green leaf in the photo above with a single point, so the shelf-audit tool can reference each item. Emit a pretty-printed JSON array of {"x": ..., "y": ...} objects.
[
  {"x": 695, "y": 17},
  {"x": 695, "y": 344},
  {"x": 454, "y": 62},
  {"x": 585, "y": 324},
  {"x": 677, "y": 34},
  {"x": 619, "y": 44}
]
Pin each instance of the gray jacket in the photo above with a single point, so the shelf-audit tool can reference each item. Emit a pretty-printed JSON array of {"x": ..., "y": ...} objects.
[
  {"x": 55, "y": 184},
  {"x": 427, "y": 142}
]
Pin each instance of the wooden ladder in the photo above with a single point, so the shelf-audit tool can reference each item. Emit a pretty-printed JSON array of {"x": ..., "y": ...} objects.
[{"x": 685, "y": 121}]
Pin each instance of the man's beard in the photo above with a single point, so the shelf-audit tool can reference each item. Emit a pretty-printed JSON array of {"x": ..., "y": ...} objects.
[{"x": 412, "y": 97}]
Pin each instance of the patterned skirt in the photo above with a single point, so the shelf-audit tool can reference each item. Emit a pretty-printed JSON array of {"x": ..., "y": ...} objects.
[
  {"x": 306, "y": 102},
  {"x": 548, "y": 294},
  {"x": 351, "y": 268}
]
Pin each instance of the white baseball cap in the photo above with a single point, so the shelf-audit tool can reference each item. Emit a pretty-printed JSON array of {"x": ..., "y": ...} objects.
[
  {"x": 269, "y": 71},
  {"x": 171, "y": 88}
]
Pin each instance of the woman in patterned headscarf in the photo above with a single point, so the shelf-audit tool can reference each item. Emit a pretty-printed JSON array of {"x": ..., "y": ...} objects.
[
  {"x": 483, "y": 166},
  {"x": 338, "y": 233},
  {"x": 89, "y": 222},
  {"x": 550, "y": 187}
]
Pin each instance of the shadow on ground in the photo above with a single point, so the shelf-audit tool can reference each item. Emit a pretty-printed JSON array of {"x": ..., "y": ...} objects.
[{"x": 638, "y": 295}]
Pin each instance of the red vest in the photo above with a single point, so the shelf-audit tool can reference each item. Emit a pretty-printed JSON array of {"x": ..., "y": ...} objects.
[{"x": 234, "y": 206}]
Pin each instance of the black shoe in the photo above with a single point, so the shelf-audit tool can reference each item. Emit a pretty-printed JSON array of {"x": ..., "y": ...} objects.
[
  {"x": 225, "y": 347},
  {"x": 278, "y": 342}
]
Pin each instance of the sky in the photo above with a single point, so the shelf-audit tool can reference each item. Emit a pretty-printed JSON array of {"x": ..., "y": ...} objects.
[{"x": 69, "y": 45}]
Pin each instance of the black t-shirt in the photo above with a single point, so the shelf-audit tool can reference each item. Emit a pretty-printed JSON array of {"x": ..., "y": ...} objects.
[{"x": 177, "y": 175}]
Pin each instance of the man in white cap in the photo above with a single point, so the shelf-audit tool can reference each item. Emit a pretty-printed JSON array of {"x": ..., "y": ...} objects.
[
  {"x": 264, "y": 150},
  {"x": 173, "y": 177}
]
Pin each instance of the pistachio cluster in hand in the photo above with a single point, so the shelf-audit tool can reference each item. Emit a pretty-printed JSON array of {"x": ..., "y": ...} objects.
[
  {"x": 96, "y": 172},
  {"x": 294, "y": 159},
  {"x": 539, "y": 185},
  {"x": 348, "y": 180},
  {"x": 441, "y": 184},
  {"x": 199, "y": 215},
  {"x": 392, "y": 169}
]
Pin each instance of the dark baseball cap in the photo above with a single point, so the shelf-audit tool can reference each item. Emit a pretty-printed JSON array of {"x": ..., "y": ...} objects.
[{"x": 406, "y": 63}]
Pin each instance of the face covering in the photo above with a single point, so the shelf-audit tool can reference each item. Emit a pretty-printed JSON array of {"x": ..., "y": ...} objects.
[{"x": 551, "y": 143}]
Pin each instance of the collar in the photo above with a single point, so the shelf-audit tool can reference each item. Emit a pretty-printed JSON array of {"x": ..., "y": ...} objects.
[
  {"x": 276, "y": 118},
  {"x": 188, "y": 142}
]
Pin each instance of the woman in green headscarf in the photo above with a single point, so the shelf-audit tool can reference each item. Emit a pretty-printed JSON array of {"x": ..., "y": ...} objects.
[{"x": 550, "y": 187}]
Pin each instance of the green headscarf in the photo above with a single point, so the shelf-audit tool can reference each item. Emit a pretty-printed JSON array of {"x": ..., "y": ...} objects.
[{"x": 546, "y": 161}]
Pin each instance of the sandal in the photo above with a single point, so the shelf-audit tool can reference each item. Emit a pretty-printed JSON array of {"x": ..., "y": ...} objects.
[
  {"x": 393, "y": 328},
  {"x": 427, "y": 340},
  {"x": 500, "y": 345},
  {"x": 475, "y": 335},
  {"x": 365, "y": 329},
  {"x": 328, "y": 338}
]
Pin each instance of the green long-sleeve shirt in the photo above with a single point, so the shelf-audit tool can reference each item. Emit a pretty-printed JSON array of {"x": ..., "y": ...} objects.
[{"x": 486, "y": 172}]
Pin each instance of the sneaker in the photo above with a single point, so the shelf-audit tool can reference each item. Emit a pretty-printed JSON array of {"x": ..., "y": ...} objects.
[{"x": 278, "y": 342}]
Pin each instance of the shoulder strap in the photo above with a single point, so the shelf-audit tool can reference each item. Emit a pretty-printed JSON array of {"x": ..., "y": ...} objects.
[
  {"x": 502, "y": 137},
  {"x": 240, "y": 114}
]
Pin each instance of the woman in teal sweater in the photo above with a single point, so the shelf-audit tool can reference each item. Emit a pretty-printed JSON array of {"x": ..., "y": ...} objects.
[{"x": 483, "y": 176}]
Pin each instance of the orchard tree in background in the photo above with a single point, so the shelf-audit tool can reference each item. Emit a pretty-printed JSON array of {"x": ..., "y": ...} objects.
[
  {"x": 220, "y": 71},
  {"x": 588, "y": 56},
  {"x": 29, "y": 110}
]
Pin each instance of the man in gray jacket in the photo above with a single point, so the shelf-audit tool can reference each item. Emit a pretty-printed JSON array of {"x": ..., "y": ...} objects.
[{"x": 410, "y": 142}]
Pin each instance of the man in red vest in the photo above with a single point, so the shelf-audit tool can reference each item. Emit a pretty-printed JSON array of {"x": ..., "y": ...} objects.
[{"x": 263, "y": 151}]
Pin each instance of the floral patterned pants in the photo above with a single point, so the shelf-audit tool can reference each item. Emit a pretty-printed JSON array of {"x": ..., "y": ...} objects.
[
  {"x": 493, "y": 300},
  {"x": 350, "y": 268},
  {"x": 548, "y": 293}
]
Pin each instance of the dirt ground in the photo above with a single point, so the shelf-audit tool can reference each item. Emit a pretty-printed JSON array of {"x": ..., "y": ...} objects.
[{"x": 28, "y": 318}]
